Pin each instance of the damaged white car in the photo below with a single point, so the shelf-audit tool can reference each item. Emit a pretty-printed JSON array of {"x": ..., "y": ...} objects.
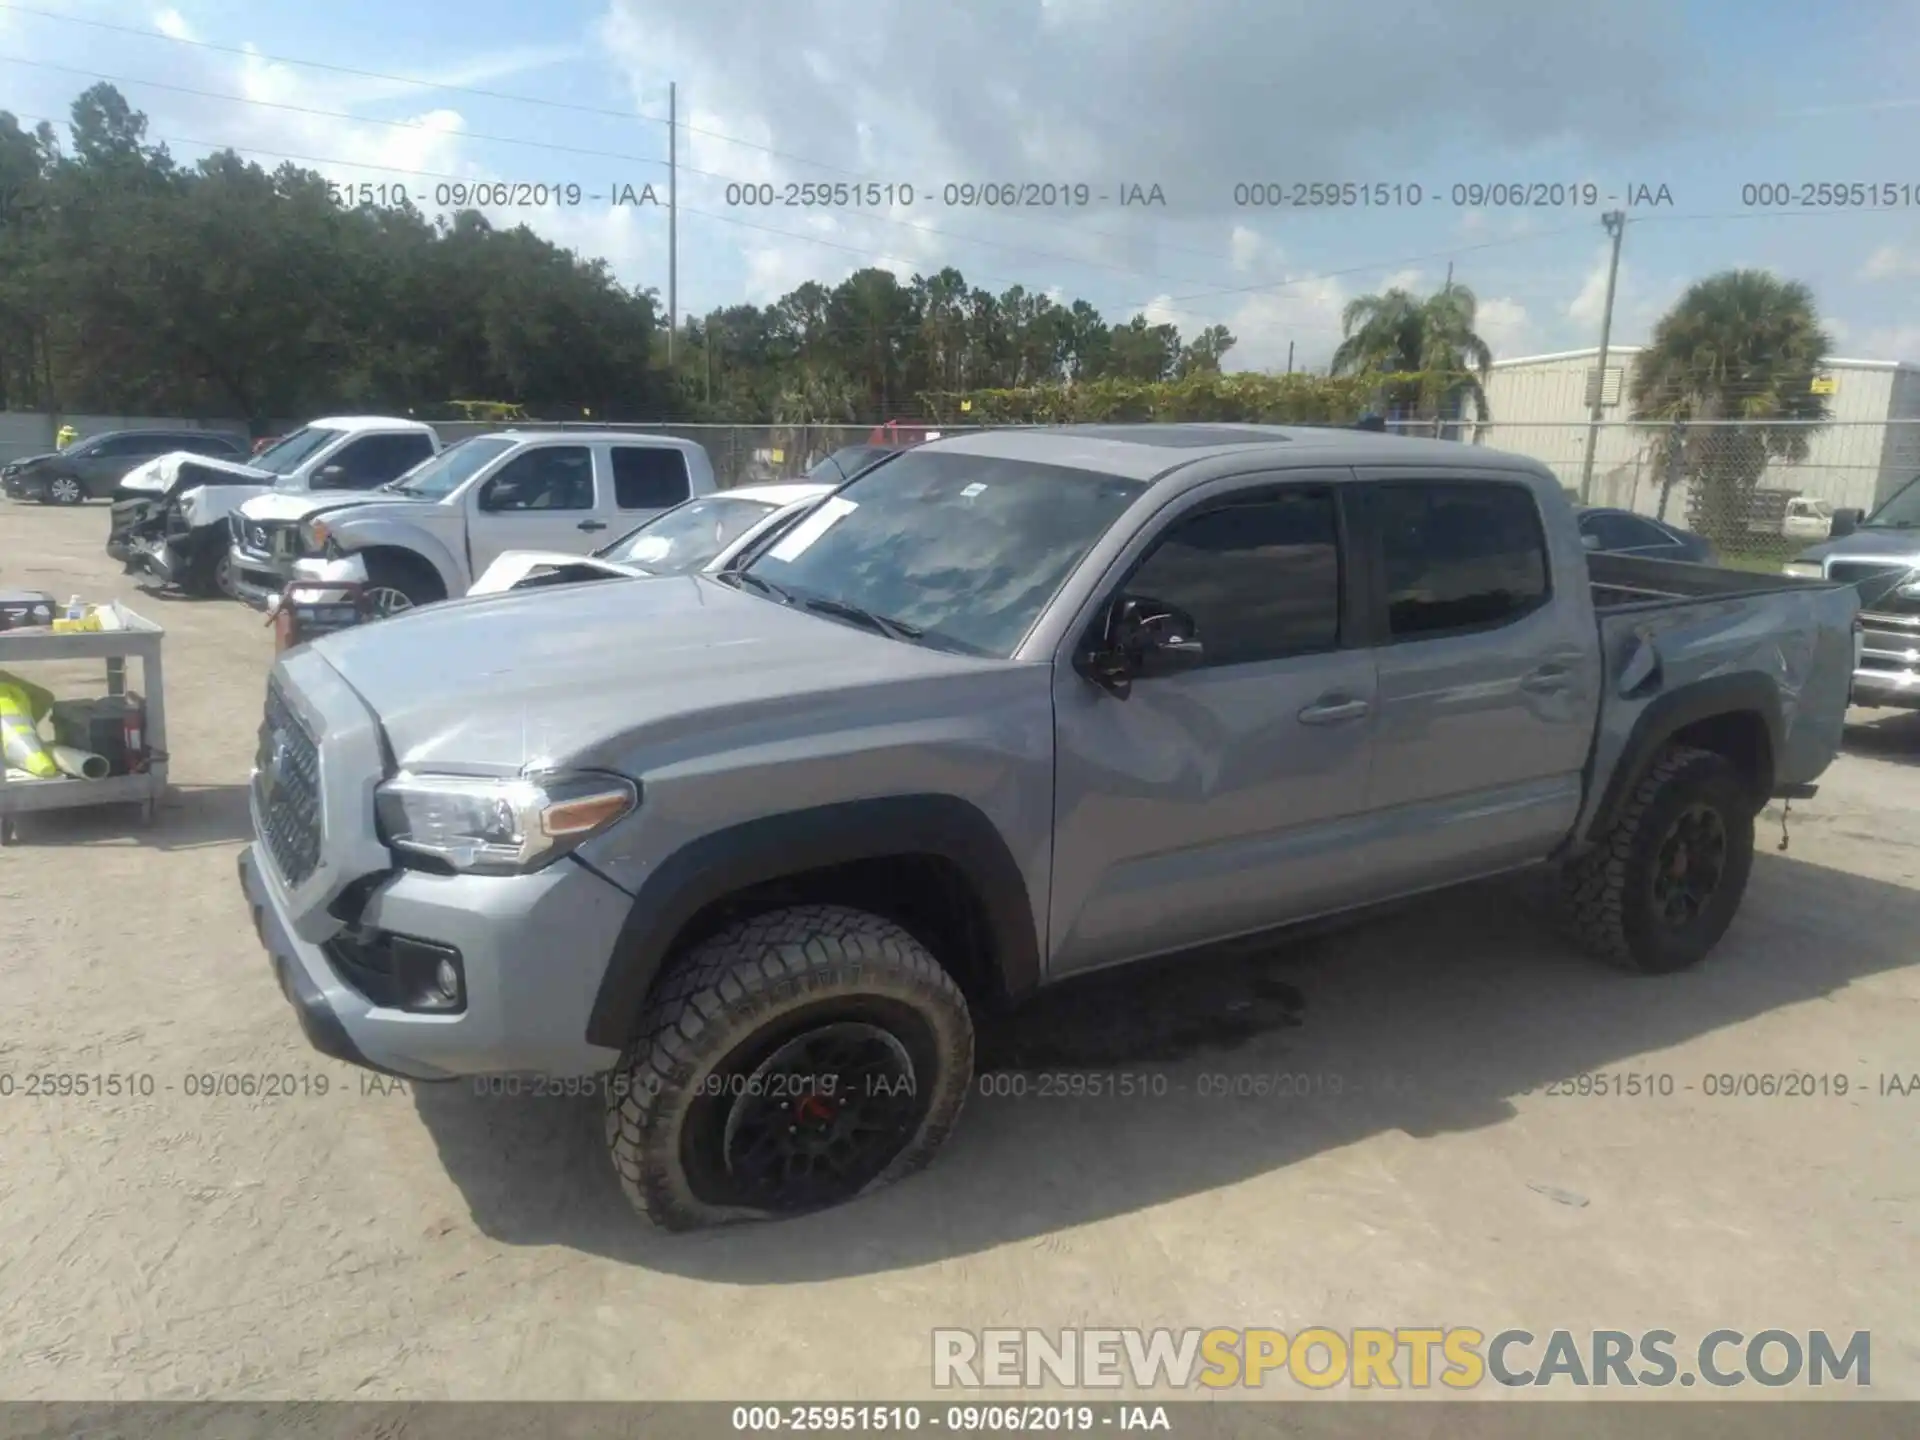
[{"x": 170, "y": 515}]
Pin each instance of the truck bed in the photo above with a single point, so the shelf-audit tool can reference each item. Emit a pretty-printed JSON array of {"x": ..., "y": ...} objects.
[{"x": 1666, "y": 625}]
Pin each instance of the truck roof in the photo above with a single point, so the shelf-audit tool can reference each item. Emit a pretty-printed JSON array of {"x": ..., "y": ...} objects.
[
  {"x": 370, "y": 422},
  {"x": 595, "y": 437},
  {"x": 1157, "y": 451}
]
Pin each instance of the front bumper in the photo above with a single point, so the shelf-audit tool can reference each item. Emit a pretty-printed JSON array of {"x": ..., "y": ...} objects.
[
  {"x": 257, "y": 578},
  {"x": 26, "y": 487},
  {"x": 533, "y": 950}
]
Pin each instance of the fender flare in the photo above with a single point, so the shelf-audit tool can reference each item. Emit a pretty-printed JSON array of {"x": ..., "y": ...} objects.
[
  {"x": 733, "y": 859},
  {"x": 355, "y": 537},
  {"x": 1747, "y": 693}
]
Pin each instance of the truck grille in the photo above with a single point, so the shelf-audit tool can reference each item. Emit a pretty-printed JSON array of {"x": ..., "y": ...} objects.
[
  {"x": 286, "y": 790},
  {"x": 1852, "y": 571}
]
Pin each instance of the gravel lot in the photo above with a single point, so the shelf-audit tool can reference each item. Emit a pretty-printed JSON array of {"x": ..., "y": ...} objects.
[{"x": 433, "y": 1243}]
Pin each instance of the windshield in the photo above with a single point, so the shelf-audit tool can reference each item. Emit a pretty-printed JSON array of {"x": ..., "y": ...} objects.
[
  {"x": 451, "y": 468},
  {"x": 966, "y": 549},
  {"x": 845, "y": 463},
  {"x": 687, "y": 536},
  {"x": 1901, "y": 512},
  {"x": 287, "y": 456}
]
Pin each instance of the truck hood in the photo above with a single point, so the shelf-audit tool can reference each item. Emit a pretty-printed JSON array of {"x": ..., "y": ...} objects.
[
  {"x": 581, "y": 674},
  {"x": 516, "y": 565},
  {"x": 285, "y": 506},
  {"x": 158, "y": 476},
  {"x": 1888, "y": 545}
]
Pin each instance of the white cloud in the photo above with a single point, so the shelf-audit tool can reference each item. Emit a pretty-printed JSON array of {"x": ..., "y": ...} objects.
[
  {"x": 1891, "y": 262},
  {"x": 1590, "y": 303},
  {"x": 1891, "y": 342},
  {"x": 1408, "y": 280},
  {"x": 1505, "y": 325},
  {"x": 173, "y": 24},
  {"x": 1246, "y": 247}
]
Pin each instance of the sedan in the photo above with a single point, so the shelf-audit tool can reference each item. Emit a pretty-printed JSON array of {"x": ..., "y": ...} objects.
[
  {"x": 94, "y": 467},
  {"x": 703, "y": 533},
  {"x": 1630, "y": 533}
]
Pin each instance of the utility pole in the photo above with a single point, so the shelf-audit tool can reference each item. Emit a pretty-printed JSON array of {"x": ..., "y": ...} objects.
[
  {"x": 673, "y": 217},
  {"x": 1289, "y": 357},
  {"x": 1616, "y": 223}
]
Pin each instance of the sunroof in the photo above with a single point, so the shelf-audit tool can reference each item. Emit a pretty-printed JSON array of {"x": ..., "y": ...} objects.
[{"x": 1177, "y": 437}]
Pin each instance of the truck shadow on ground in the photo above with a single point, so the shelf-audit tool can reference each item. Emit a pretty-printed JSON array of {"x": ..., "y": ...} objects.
[
  {"x": 190, "y": 818},
  {"x": 1890, "y": 735},
  {"x": 1426, "y": 1021}
]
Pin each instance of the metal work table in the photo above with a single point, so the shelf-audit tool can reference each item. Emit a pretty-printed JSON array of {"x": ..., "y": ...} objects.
[{"x": 138, "y": 638}]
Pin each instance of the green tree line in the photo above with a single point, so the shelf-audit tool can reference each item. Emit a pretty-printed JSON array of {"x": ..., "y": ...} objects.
[{"x": 132, "y": 283}]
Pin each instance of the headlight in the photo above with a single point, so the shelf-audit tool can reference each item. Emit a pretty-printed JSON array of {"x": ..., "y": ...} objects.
[
  {"x": 314, "y": 535},
  {"x": 498, "y": 827},
  {"x": 1803, "y": 569}
]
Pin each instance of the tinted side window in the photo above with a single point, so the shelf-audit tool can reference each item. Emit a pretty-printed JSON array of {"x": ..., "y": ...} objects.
[
  {"x": 549, "y": 477},
  {"x": 1261, "y": 578},
  {"x": 1459, "y": 555},
  {"x": 124, "y": 447},
  {"x": 649, "y": 477},
  {"x": 1622, "y": 532},
  {"x": 205, "y": 445},
  {"x": 376, "y": 459}
]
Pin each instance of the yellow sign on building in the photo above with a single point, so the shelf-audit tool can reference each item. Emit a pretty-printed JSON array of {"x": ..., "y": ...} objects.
[{"x": 1824, "y": 385}]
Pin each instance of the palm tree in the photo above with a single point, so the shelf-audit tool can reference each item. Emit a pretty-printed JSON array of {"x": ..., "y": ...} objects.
[
  {"x": 1740, "y": 345},
  {"x": 1399, "y": 333}
]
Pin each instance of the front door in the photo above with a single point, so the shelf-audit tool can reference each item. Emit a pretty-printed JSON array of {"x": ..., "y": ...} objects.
[
  {"x": 1219, "y": 801},
  {"x": 544, "y": 498}
]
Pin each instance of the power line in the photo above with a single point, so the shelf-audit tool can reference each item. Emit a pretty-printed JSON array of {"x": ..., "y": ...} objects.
[
  {"x": 525, "y": 100},
  {"x": 421, "y": 128},
  {"x": 1169, "y": 306}
]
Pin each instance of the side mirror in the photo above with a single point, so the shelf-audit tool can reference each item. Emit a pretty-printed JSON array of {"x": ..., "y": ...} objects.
[
  {"x": 329, "y": 477},
  {"x": 1144, "y": 638},
  {"x": 1845, "y": 522}
]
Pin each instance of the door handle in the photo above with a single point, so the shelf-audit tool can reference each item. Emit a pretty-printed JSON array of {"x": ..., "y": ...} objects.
[
  {"x": 1333, "y": 712},
  {"x": 1547, "y": 680},
  {"x": 593, "y": 524}
]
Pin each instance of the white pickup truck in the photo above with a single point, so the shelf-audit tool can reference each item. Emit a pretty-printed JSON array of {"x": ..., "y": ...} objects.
[
  {"x": 171, "y": 515},
  {"x": 428, "y": 535}
]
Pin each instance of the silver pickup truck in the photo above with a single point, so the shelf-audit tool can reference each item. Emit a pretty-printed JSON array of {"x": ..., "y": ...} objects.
[{"x": 752, "y": 848}]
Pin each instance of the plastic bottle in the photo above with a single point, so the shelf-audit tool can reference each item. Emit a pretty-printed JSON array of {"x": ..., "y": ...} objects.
[{"x": 76, "y": 609}]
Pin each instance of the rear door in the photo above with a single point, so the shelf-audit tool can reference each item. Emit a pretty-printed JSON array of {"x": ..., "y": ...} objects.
[
  {"x": 1488, "y": 671},
  {"x": 1221, "y": 800},
  {"x": 647, "y": 479},
  {"x": 545, "y": 497}
]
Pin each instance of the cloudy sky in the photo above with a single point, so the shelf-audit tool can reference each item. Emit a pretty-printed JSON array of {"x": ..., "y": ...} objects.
[{"x": 1701, "y": 97}]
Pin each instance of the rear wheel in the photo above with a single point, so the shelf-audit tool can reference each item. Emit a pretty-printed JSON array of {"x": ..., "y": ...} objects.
[
  {"x": 1661, "y": 887},
  {"x": 396, "y": 583},
  {"x": 792, "y": 1062}
]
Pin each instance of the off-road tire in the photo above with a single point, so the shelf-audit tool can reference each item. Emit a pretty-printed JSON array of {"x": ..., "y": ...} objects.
[
  {"x": 1606, "y": 896},
  {"x": 716, "y": 998},
  {"x": 412, "y": 578}
]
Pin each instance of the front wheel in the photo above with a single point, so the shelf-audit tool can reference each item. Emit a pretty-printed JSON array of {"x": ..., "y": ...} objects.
[
  {"x": 1662, "y": 885},
  {"x": 792, "y": 1062},
  {"x": 395, "y": 584},
  {"x": 65, "y": 490}
]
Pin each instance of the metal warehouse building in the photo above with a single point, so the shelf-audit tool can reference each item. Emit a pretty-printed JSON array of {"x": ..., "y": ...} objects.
[{"x": 1538, "y": 407}]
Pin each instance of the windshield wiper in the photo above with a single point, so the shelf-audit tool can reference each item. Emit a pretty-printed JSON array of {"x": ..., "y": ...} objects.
[
  {"x": 764, "y": 586},
  {"x": 885, "y": 624}
]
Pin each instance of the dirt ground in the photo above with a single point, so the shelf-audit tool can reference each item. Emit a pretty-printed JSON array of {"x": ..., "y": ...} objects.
[{"x": 433, "y": 1243}]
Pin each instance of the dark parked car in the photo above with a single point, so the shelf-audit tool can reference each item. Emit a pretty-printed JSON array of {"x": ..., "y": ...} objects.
[
  {"x": 92, "y": 468},
  {"x": 1625, "y": 532}
]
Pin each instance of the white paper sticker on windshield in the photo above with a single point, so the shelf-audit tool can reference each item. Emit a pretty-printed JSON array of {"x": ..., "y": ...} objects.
[
  {"x": 650, "y": 547},
  {"x": 831, "y": 512},
  {"x": 972, "y": 490}
]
